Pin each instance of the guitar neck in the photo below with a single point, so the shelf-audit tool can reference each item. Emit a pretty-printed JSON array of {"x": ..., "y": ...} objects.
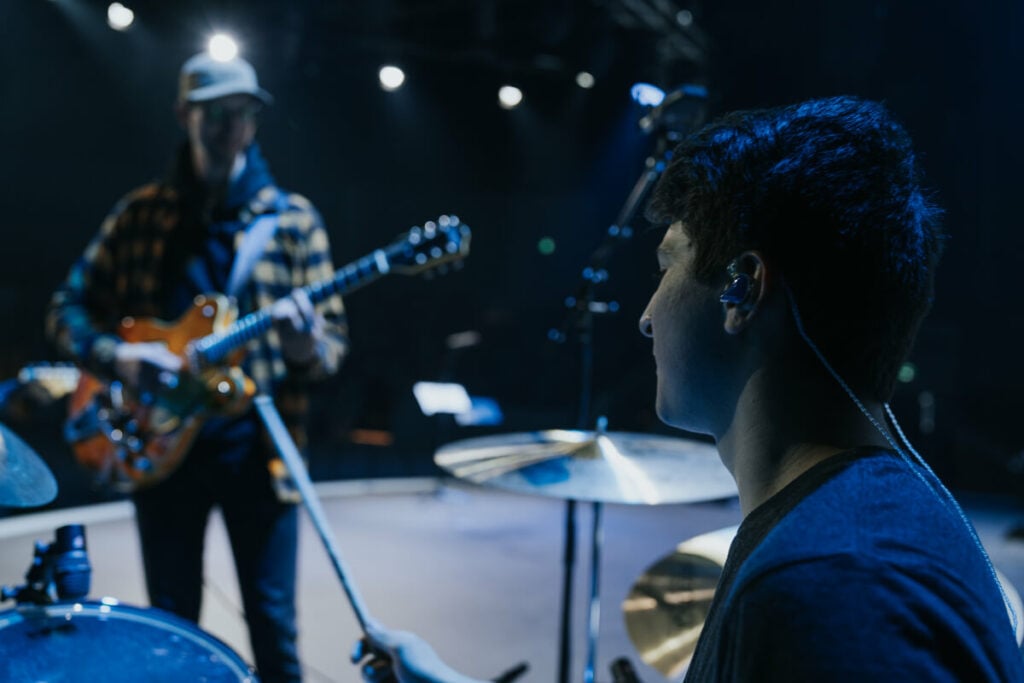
[{"x": 214, "y": 348}]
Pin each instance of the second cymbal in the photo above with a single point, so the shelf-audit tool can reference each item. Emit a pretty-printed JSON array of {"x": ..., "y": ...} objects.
[{"x": 668, "y": 605}]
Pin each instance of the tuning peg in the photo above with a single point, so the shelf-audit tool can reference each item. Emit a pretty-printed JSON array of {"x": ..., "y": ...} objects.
[
  {"x": 429, "y": 229},
  {"x": 444, "y": 221},
  {"x": 442, "y": 269},
  {"x": 415, "y": 234}
]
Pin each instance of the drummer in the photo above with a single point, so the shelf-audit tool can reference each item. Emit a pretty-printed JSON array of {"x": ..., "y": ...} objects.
[{"x": 796, "y": 269}]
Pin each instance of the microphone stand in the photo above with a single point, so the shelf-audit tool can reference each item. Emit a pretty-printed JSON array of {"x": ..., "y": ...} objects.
[{"x": 582, "y": 309}]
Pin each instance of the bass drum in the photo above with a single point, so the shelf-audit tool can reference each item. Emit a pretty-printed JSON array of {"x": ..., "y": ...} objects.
[{"x": 106, "y": 641}]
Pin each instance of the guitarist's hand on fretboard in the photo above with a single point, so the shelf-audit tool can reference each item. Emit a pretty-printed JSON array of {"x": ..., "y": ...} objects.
[
  {"x": 298, "y": 326},
  {"x": 145, "y": 366}
]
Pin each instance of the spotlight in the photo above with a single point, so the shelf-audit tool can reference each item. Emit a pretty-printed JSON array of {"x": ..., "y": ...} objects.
[
  {"x": 647, "y": 95},
  {"x": 509, "y": 97},
  {"x": 391, "y": 78},
  {"x": 119, "y": 17},
  {"x": 222, "y": 47},
  {"x": 585, "y": 80}
]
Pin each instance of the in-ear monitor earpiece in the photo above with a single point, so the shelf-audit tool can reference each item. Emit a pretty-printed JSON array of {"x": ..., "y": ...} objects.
[{"x": 738, "y": 290}]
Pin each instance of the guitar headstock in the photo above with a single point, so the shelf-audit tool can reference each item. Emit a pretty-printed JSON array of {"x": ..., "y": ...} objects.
[{"x": 427, "y": 248}]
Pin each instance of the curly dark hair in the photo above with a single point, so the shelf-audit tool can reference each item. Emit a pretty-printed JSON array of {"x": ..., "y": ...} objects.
[{"x": 830, "y": 191}]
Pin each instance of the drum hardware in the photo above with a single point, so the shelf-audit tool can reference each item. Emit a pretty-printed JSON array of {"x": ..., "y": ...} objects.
[
  {"x": 683, "y": 110},
  {"x": 84, "y": 642},
  {"x": 54, "y": 633},
  {"x": 60, "y": 570},
  {"x": 25, "y": 480},
  {"x": 592, "y": 466}
]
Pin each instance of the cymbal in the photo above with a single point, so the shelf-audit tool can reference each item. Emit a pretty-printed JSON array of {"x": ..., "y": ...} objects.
[
  {"x": 604, "y": 467},
  {"x": 668, "y": 605},
  {"x": 25, "y": 480}
]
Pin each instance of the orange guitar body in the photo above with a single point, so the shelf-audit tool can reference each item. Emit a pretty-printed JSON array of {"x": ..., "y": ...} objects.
[
  {"x": 135, "y": 441},
  {"x": 131, "y": 442}
]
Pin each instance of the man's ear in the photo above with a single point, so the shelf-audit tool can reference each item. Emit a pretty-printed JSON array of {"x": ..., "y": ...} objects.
[{"x": 743, "y": 297}]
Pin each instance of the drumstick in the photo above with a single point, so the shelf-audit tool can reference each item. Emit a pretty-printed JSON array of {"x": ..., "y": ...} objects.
[{"x": 296, "y": 468}]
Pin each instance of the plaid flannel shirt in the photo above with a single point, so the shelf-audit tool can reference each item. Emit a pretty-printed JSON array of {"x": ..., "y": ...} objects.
[{"x": 119, "y": 275}]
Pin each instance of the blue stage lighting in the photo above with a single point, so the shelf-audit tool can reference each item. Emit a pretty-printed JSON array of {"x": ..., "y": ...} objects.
[{"x": 646, "y": 94}]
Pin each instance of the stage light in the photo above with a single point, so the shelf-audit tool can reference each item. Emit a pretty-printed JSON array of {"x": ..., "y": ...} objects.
[
  {"x": 222, "y": 47},
  {"x": 119, "y": 17},
  {"x": 391, "y": 78},
  {"x": 585, "y": 80},
  {"x": 647, "y": 95},
  {"x": 509, "y": 97},
  {"x": 546, "y": 246}
]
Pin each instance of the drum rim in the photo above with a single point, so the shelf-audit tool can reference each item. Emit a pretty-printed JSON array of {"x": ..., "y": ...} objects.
[{"x": 112, "y": 608}]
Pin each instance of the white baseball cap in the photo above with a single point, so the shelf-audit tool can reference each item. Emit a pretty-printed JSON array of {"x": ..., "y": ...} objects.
[{"x": 204, "y": 78}]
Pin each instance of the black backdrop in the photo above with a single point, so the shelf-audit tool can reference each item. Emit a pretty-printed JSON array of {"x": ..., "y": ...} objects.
[{"x": 85, "y": 114}]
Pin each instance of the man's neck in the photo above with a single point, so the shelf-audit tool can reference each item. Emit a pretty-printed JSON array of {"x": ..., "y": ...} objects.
[
  {"x": 215, "y": 176},
  {"x": 781, "y": 429},
  {"x": 216, "y": 181}
]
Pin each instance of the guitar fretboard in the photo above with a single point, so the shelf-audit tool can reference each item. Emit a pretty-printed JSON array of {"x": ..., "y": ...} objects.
[{"x": 214, "y": 348}]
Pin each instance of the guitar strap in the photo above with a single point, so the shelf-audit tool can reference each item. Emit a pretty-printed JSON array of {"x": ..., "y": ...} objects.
[{"x": 257, "y": 235}]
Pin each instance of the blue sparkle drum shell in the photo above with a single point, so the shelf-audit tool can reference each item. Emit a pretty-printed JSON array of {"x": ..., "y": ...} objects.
[{"x": 106, "y": 641}]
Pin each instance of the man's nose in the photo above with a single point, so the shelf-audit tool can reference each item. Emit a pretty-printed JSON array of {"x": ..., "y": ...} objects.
[{"x": 646, "y": 328}]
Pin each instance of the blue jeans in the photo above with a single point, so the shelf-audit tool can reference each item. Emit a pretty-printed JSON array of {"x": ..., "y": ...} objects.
[{"x": 171, "y": 519}]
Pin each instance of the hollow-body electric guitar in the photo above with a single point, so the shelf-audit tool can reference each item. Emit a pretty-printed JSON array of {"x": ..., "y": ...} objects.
[{"x": 133, "y": 441}]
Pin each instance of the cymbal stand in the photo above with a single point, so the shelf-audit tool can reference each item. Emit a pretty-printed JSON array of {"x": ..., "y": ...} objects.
[
  {"x": 289, "y": 453},
  {"x": 582, "y": 309}
]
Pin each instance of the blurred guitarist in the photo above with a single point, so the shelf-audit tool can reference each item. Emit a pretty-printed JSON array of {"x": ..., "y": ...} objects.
[{"x": 164, "y": 244}]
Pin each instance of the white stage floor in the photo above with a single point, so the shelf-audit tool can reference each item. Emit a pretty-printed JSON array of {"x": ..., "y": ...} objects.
[{"x": 476, "y": 571}]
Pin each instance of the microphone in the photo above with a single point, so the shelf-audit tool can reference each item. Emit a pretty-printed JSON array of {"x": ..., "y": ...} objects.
[
  {"x": 682, "y": 109},
  {"x": 59, "y": 571},
  {"x": 72, "y": 572}
]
